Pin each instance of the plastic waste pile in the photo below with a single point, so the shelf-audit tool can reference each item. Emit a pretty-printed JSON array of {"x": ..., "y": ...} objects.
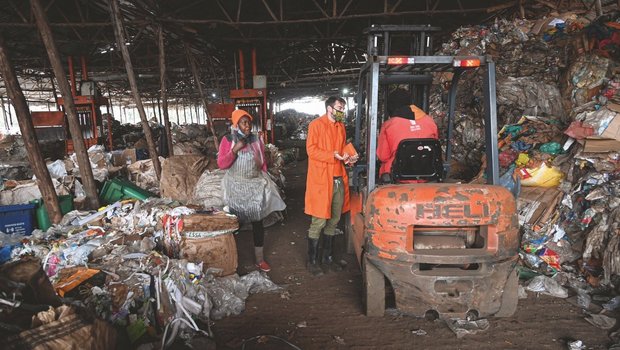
[
  {"x": 559, "y": 146},
  {"x": 155, "y": 269},
  {"x": 122, "y": 264}
]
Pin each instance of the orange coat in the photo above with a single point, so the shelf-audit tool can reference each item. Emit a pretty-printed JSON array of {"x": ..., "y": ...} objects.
[{"x": 323, "y": 139}]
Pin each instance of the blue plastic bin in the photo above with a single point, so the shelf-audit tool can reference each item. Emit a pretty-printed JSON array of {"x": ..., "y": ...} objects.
[{"x": 17, "y": 219}]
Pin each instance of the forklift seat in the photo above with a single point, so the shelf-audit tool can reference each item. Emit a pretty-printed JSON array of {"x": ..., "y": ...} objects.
[{"x": 418, "y": 160}]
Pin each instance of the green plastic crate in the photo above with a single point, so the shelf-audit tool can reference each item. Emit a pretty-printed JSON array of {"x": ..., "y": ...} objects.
[
  {"x": 43, "y": 218},
  {"x": 118, "y": 189}
]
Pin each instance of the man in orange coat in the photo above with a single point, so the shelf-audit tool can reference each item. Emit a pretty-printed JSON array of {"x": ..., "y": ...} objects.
[{"x": 327, "y": 184}]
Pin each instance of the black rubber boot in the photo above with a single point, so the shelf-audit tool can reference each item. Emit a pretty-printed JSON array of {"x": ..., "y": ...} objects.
[
  {"x": 327, "y": 260},
  {"x": 313, "y": 256}
]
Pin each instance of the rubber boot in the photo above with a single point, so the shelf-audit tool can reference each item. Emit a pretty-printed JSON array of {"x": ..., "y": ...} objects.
[
  {"x": 313, "y": 256},
  {"x": 327, "y": 260}
]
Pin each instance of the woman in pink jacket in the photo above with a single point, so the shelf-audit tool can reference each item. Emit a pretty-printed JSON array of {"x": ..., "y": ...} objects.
[{"x": 248, "y": 191}]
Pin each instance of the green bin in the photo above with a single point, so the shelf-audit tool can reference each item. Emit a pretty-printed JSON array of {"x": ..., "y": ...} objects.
[
  {"x": 43, "y": 218},
  {"x": 118, "y": 189}
]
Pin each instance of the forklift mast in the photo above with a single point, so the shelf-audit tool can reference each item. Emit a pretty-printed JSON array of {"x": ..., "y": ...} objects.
[
  {"x": 53, "y": 126},
  {"x": 402, "y": 54},
  {"x": 255, "y": 100}
]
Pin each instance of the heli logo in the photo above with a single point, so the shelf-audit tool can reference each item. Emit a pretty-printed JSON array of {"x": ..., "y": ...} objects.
[{"x": 451, "y": 211}]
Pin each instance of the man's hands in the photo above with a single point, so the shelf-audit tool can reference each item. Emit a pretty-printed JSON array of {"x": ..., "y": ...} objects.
[
  {"x": 339, "y": 157},
  {"x": 351, "y": 160},
  {"x": 346, "y": 158}
]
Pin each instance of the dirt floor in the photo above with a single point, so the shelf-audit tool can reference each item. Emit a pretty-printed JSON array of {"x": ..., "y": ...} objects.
[{"x": 325, "y": 312}]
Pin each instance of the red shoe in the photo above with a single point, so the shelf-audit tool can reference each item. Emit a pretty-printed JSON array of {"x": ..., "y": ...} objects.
[{"x": 263, "y": 266}]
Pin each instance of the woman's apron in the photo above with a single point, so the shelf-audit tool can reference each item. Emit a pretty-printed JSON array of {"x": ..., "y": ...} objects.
[{"x": 243, "y": 186}]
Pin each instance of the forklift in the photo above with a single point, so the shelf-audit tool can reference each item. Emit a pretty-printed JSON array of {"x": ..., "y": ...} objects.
[
  {"x": 52, "y": 126},
  {"x": 447, "y": 249}
]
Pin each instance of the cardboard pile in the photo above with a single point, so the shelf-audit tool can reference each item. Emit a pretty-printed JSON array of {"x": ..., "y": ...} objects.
[{"x": 609, "y": 138}]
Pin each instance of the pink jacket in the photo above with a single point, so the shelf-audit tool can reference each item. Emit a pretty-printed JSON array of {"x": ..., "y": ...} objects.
[{"x": 226, "y": 158}]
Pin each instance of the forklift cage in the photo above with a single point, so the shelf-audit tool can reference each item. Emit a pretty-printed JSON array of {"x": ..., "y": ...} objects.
[{"x": 416, "y": 68}]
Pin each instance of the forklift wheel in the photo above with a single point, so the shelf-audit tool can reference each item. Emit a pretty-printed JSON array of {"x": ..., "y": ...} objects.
[
  {"x": 510, "y": 297},
  {"x": 374, "y": 289}
]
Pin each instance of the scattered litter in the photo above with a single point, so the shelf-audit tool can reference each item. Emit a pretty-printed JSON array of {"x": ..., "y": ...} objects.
[
  {"x": 418, "y": 332},
  {"x": 576, "y": 345},
  {"x": 546, "y": 285},
  {"x": 264, "y": 339},
  {"x": 339, "y": 340},
  {"x": 612, "y": 304},
  {"x": 601, "y": 321},
  {"x": 464, "y": 327}
]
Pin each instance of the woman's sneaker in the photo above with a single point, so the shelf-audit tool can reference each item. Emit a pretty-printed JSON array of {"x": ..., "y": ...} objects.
[{"x": 263, "y": 266}]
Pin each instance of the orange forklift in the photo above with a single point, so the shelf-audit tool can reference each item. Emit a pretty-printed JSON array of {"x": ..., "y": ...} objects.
[
  {"x": 53, "y": 125},
  {"x": 446, "y": 249}
]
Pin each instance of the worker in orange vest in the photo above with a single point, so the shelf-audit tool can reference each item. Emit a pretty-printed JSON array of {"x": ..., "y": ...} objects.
[
  {"x": 327, "y": 184},
  {"x": 407, "y": 121}
]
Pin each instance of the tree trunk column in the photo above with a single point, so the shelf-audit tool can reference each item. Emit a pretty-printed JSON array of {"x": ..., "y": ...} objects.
[
  {"x": 74, "y": 126},
  {"x": 164, "y": 92},
  {"x": 30, "y": 137},
  {"x": 120, "y": 41}
]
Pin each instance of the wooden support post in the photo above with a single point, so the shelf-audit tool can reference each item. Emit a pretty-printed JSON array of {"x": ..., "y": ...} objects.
[
  {"x": 192, "y": 64},
  {"x": 79, "y": 147},
  {"x": 120, "y": 40},
  {"x": 31, "y": 143},
  {"x": 177, "y": 110},
  {"x": 8, "y": 108},
  {"x": 191, "y": 115},
  {"x": 4, "y": 115},
  {"x": 164, "y": 92},
  {"x": 154, "y": 107},
  {"x": 599, "y": 8},
  {"x": 159, "y": 117}
]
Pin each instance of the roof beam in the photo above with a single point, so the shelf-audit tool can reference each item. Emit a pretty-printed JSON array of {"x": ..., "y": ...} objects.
[
  {"x": 395, "y": 6},
  {"x": 292, "y": 21},
  {"x": 14, "y": 7},
  {"x": 239, "y": 11},
  {"x": 320, "y": 9},
  {"x": 79, "y": 10},
  {"x": 190, "y": 5},
  {"x": 346, "y": 7},
  {"x": 72, "y": 28},
  {"x": 270, "y": 12},
  {"x": 281, "y": 11},
  {"x": 49, "y": 5}
]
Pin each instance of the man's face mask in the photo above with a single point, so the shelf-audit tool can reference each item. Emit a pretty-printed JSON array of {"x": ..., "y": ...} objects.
[{"x": 338, "y": 115}]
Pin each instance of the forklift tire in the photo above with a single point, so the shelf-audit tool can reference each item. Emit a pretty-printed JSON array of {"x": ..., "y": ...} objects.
[
  {"x": 374, "y": 289},
  {"x": 510, "y": 297}
]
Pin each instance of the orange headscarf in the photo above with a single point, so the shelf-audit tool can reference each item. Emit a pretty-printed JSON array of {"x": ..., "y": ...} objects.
[{"x": 237, "y": 114}]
